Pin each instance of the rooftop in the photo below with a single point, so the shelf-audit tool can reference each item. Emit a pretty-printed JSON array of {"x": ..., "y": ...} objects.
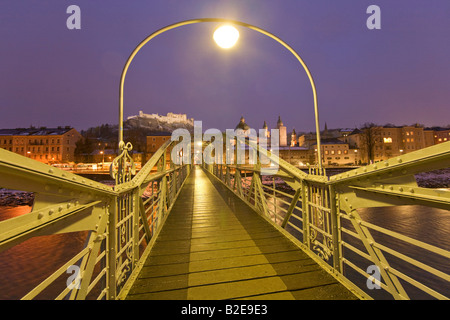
[{"x": 43, "y": 131}]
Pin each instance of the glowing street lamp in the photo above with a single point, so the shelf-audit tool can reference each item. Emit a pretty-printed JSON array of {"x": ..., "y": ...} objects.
[{"x": 226, "y": 36}]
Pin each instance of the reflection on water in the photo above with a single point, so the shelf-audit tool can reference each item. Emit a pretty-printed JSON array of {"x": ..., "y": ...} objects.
[
  {"x": 428, "y": 225},
  {"x": 25, "y": 265},
  {"x": 11, "y": 212},
  {"x": 425, "y": 224}
]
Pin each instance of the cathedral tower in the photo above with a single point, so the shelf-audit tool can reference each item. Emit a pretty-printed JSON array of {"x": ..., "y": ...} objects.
[{"x": 282, "y": 131}]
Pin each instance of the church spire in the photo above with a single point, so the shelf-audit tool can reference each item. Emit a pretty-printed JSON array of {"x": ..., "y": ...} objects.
[{"x": 279, "y": 123}]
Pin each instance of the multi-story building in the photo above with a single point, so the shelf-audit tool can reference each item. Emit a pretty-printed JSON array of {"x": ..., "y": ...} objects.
[
  {"x": 379, "y": 143},
  {"x": 337, "y": 152},
  {"x": 441, "y": 135},
  {"x": 155, "y": 141},
  {"x": 297, "y": 156},
  {"x": 47, "y": 145}
]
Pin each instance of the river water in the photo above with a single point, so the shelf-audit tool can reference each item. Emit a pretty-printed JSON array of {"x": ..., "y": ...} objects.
[{"x": 27, "y": 264}]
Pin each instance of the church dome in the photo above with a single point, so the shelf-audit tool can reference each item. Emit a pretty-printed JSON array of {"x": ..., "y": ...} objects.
[
  {"x": 242, "y": 125},
  {"x": 279, "y": 122}
]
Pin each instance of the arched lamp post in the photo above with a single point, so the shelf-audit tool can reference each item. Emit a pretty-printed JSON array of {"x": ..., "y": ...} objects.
[{"x": 124, "y": 147}]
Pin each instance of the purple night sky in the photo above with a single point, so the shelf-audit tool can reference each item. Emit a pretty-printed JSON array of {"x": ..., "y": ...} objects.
[{"x": 52, "y": 76}]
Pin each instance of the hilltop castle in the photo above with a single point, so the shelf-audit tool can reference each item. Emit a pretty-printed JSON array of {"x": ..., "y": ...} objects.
[{"x": 171, "y": 118}]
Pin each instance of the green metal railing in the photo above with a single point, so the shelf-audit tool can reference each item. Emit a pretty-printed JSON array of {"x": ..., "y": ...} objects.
[
  {"x": 322, "y": 216},
  {"x": 121, "y": 222}
]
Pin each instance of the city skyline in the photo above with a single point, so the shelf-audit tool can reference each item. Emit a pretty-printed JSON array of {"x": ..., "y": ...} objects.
[{"x": 53, "y": 76}]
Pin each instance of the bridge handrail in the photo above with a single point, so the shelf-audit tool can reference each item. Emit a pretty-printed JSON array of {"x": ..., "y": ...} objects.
[
  {"x": 317, "y": 212},
  {"x": 324, "y": 223},
  {"x": 120, "y": 221}
]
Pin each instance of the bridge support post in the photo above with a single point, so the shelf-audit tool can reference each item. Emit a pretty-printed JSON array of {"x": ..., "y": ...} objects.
[
  {"x": 238, "y": 181},
  {"x": 305, "y": 215},
  {"x": 227, "y": 177},
  {"x": 135, "y": 226},
  {"x": 259, "y": 193},
  {"x": 335, "y": 227},
  {"x": 111, "y": 252},
  {"x": 163, "y": 189}
]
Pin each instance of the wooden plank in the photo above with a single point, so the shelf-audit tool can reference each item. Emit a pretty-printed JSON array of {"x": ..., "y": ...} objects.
[{"x": 237, "y": 289}]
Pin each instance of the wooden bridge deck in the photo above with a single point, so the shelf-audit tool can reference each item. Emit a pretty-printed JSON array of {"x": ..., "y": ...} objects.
[{"x": 213, "y": 246}]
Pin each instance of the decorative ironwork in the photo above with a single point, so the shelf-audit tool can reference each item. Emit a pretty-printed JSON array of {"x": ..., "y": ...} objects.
[{"x": 123, "y": 167}]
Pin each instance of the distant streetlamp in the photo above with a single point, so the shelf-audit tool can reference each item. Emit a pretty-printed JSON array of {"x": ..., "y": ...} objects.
[
  {"x": 103, "y": 158},
  {"x": 225, "y": 36}
]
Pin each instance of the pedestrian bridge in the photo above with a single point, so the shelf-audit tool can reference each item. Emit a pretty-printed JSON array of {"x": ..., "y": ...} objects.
[
  {"x": 214, "y": 246},
  {"x": 227, "y": 231}
]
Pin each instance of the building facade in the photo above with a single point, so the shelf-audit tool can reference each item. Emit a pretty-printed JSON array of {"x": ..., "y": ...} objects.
[
  {"x": 282, "y": 133},
  {"x": 441, "y": 135},
  {"x": 381, "y": 143},
  {"x": 155, "y": 141},
  {"x": 338, "y": 153},
  {"x": 47, "y": 145}
]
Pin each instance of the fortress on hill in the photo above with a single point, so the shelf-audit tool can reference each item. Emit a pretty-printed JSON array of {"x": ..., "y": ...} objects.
[{"x": 172, "y": 118}]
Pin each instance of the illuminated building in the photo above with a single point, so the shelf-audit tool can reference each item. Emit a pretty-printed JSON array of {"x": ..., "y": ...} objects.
[
  {"x": 47, "y": 145},
  {"x": 155, "y": 141},
  {"x": 441, "y": 135},
  {"x": 282, "y": 132}
]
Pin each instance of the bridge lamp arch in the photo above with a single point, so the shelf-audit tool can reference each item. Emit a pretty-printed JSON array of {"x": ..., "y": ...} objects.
[{"x": 231, "y": 39}]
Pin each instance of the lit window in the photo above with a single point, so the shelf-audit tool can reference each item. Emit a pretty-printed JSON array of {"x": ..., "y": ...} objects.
[{"x": 387, "y": 140}]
